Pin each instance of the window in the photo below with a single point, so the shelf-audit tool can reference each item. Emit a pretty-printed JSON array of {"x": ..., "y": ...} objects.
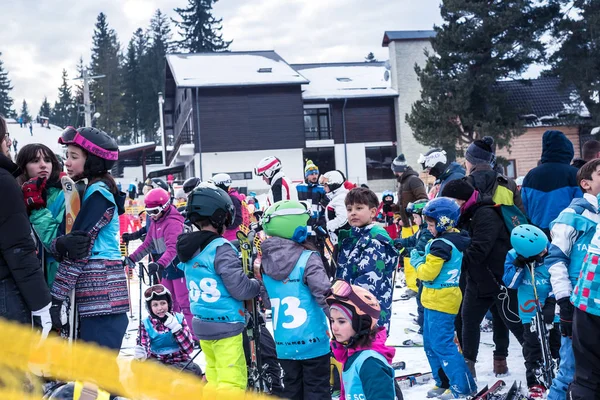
[
  {"x": 379, "y": 162},
  {"x": 238, "y": 176},
  {"x": 322, "y": 157},
  {"x": 510, "y": 169},
  {"x": 316, "y": 124}
]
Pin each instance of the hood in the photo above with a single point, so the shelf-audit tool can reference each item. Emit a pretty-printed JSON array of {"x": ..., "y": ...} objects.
[
  {"x": 279, "y": 257},
  {"x": 7, "y": 164},
  {"x": 556, "y": 148},
  {"x": 407, "y": 174},
  {"x": 460, "y": 239},
  {"x": 189, "y": 244},
  {"x": 483, "y": 178},
  {"x": 341, "y": 352},
  {"x": 452, "y": 168}
]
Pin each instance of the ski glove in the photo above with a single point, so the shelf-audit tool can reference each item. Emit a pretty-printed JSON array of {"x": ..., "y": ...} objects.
[
  {"x": 128, "y": 262},
  {"x": 566, "y": 317},
  {"x": 400, "y": 247},
  {"x": 74, "y": 245},
  {"x": 127, "y": 237},
  {"x": 522, "y": 262},
  {"x": 34, "y": 194},
  {"x": 139, "y": 353},
  {"x": 416, "y": 259},
  {"x": 172, "y": 323},
  {"x": 42, "y": 319},
  {"x": 58, "y": 313}
]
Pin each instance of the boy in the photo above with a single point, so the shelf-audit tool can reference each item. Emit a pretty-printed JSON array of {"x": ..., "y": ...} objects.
[
  {"x": 438, "y": 268},
  {"x": 367, "y": 255},
  {"x": 217, "y": 286},
  {"x": 571, "y": 232}
]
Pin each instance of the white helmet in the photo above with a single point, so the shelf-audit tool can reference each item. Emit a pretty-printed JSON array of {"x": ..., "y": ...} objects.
[
  {"x": 268, "y": 167},
  {"x": 222, "y": 181},
  {"x": 333, "y": 179},
  {"x": 432, "y": 157}
]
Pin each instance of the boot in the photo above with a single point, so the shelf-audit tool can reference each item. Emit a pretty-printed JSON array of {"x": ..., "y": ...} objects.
[
  {"x": 500, "y": 367},
  {"x": 435, "y": 392},
  {"x": 471, "y": 367},
  {"x": 537, "y": 391}
]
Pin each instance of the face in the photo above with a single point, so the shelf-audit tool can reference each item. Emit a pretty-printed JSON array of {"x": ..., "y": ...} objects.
[
  {"x": 39, "y": 167},
  {"x": 75, "y": 161},
  {"x": 468, "y": 166},
  {"x": 313, "y": 177},
  {"x": 417, "y": 219},
  {"x": 431, "y": 227},
  {"x": 360, "y": 214},
  {"x": 341, "y": 326},
  {"x": 6, "y": 143},
  {"x": 265, "y": 179},
  {"x": 159, "y": 307},
  {"x": 592, "y": 186},
  {"x": 156, "y": 217}
]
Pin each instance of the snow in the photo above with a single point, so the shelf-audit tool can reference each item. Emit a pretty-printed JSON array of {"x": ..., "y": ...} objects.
[
  {"x": 48, "y": 137},
  {"x": 136, "y": 146},
  {"x": 329, "y": 81},
  {"x": 231, "y": 69}
]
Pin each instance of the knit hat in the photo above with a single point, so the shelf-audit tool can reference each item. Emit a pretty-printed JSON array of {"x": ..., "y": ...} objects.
[
  {"x": 458, "y": 189},
  {"x": 481, "y": 151},
  {"x": 345, "y": 311},
  {"x": 399, "y": 164},
  {"x": 310, "y": 168}
]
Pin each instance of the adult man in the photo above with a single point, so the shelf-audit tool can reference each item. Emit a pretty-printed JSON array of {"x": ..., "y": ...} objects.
[
  {"x": 313, "y": 194},
  {"x": 270, "y": 169},
  {"x": 589, "y": 151},
  {"x": 435, "y": 163}
]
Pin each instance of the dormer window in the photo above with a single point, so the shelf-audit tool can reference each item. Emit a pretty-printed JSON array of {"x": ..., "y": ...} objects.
[
  {"x": 344, "y": 79},
  {"x": 265, "y": 70}
]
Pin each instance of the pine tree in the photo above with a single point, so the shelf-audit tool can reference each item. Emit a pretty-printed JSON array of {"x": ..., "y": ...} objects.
[
  {"x": 25, "y": 112},
  {"x": 133, "y": 79},
  {"x": 199, "y": 29},
  {"x": 370, "y": 57},
  {"x": 44, "y": 108},
  {"x": 62, "y": 112},
  {"x": 6, "y": 102},
  {"x": 479, "y": 43},
  {"x": 77, "y": 117}
]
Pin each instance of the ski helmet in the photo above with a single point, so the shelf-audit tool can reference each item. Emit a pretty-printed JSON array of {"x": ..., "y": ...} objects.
[
  {"x": 364, "y": 306},
  {"x": 528, "y": 240},
  {"x": 157, "y": 292},
  {"x": 387, "y": 193},
  {"x": 222, "y": 181},
  {"x": 399, "y": 164},
  {"x": 434, "y": 161},
  {"x": 190, "y": 184},
  {"x": 444, "y": 211},
  {"x": 416, "y": 207},
  {"x": 102, "y": 150},
  {"x": 157, "y": 200},
  {"x": 268, "y": 167},
  {"x": 286, "y": 219},
  {"x": 208, "y": 201},
  {"x": 333, "y": 179},
  {"x": 153, "y": 183}
]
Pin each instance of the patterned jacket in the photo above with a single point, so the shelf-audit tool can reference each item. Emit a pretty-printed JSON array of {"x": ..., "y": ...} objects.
[
  {"x": 587, "y": 290},
  {"x": 183, "y": 337}
]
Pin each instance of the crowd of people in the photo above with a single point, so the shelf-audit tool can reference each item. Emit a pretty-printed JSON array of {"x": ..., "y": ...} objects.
[{"x": 472, "y": 243}]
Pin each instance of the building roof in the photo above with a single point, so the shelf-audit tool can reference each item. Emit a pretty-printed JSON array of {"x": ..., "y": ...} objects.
[
  {"x": 390, "y": 36},
  {"x": 345, "y": 80},
  {"x": 242, "y": 68},
  {"x": 543, "y": 101}
]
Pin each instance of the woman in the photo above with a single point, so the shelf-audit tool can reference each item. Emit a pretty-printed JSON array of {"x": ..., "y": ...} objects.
[
  {"x": 98, "y": 278},
  {"x": 44, "y": 199}
]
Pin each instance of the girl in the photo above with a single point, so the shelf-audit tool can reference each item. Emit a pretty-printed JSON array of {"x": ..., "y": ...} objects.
[
  {"x": 359, "y": 345},
  {"x": 44, "y": 199},
  {"x": 98, "y": 278}
]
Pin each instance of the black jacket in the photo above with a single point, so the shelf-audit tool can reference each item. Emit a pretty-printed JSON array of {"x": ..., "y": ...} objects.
[
  {"x": 411, "y": 189},
  {"x": 485, "y": 180},
  {"x": 18, "y": 260},
  {"x": 483, "y": 260}
]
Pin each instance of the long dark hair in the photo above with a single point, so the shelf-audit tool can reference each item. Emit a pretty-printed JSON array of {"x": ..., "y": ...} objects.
[
  {"x": 108, "y": 180},
  {"x": 29, "y": 153}
]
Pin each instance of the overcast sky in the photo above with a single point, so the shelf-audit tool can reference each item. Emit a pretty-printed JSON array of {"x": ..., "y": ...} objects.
[{"x": 38, "y": 38}]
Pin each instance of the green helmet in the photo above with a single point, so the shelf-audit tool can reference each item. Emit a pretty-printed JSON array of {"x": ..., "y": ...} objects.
[
  {"x": 416, "y": 207},
  {"x": 286, "y": 219}
]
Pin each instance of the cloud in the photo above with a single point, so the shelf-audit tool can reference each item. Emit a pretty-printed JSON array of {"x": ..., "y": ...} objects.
[{"x": 40, "y": 38}]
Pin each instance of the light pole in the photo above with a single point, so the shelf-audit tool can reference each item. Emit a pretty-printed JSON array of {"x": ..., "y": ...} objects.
[
  {"x": 86, "y": 95},
  {"x": 161, "y": 101}
]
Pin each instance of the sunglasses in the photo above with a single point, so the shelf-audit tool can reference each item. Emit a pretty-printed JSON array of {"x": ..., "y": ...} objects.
[
  {"x": 342, "y": 290},
  {"x": 157, "y": 290}
]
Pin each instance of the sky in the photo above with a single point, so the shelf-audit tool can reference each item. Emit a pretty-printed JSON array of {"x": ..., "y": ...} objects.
[{"x": 38, "y": 38}]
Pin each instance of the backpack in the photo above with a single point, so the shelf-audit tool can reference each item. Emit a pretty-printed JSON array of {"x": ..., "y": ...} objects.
[{"x": 511, "y": 214}]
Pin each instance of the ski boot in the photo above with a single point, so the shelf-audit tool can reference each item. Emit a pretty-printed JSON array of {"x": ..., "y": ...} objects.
[
  {"x": 436, "y": 392},
  {"x": 537, "y": 392}
]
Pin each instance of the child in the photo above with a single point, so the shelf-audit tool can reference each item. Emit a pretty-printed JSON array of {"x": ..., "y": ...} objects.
[
  {"x": 439, "y": 268},
  {"x": 217, "y": 287},
  {"x": 297, "y": 284},
  {"x": 529, "y": 247},
  {"x": 164, "y": 336},
  {"x": 359, "y": 345},
  {"x": 385, "y": 213},
  {"x": 367, "y": 256},
  {"x": 571, "y": 233}
]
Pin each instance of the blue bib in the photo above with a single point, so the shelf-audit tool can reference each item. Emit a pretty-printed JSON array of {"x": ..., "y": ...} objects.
[
  {"x": 209, "y": 299},
  {"x": 162, "y": 343},
  {"x": 449, "y": 275},
  {"x": 106, "y": 246},
  {"x": 352, "y": 385}
]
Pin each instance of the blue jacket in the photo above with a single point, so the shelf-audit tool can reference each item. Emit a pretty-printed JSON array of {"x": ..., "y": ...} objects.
[
  {"x": 549, "y": 188},
  {"x": 453, "y": 171}
]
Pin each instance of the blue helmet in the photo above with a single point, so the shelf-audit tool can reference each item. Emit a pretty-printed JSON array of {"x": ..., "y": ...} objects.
[
  {"x": 528, "y": 240},
  {"x": 387, "y": 193},
  {"x": 444, "y": 211}
]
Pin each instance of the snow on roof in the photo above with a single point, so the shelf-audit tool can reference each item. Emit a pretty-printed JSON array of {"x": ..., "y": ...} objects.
[
  {"x": 135, "y": 146},
  {"x": 345, "y": 80},
  {"x": 390, "y": 36},
  {"x": 232, "y": 69}
]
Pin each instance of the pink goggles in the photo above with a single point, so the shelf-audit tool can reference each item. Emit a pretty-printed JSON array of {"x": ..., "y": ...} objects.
[{"x": 71, "y": 136}]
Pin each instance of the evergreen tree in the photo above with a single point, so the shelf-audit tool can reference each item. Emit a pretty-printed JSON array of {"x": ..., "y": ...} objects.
[
  {"x": 62, "y": 112},
  {"x": 6, "y": 102},
  {"x": 479, "y": 43},
  {"x": 44, "y": 108},
  {"x": 25, "y": 112},
  {"x": 370, "y": 57},
  {"x": 77, "y": 117},
  {"x": 133, "y": 97},
  {"x": 199, "y": 29},
  {"x": 106, "y": 93}
]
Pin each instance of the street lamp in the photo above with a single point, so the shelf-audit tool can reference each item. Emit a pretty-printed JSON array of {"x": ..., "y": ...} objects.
[{"x": 161, "y": 101}]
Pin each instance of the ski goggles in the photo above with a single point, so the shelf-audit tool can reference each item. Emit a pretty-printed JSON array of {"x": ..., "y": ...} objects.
[
  {"x": 156, "y": 210},
  {"x": 72, "y": 136},
  {"x": 342, "y": 291},
  {"x": 155, "y": 290},
  {"x": 288, "y": 211}
]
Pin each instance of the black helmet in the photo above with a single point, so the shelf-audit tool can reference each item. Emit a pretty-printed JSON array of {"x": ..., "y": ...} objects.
[
  {"x": 212, "y": 203},
  {"x": 159, "y": 183},
  {"x": 190, "y": 184},
  {"x": 102, "y": 150}
]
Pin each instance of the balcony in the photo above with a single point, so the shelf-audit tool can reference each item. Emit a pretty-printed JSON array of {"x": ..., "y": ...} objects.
[
  {"x": 321, "y": 133},
  {"x": 183, "y": 146}
]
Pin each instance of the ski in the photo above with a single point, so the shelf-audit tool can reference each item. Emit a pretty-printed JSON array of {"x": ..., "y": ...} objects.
[
  {"x": 399, "y": 365},
  {"x": 409, "y": 331},
  {"x": 514, "y": 393},
  {"x": 492, "y": 391},
  {"x": 407, "y": 343},
  {"x": 482, "y": 391},
  {"x": 410, "y": 380}
]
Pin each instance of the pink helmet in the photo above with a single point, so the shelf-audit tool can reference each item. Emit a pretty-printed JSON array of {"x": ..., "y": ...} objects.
[{"x": 157, "y": 200}]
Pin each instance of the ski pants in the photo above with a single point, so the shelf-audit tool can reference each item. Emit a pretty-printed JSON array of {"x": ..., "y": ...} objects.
[
  {"x": 442, "y": 353},
  {"x": 566, "y": 370},
  {"x": 586, "y": 350},
  {"x": 104, "y": 330},
  {"x": 225, "y": 363},
  {"x": 532, "y": 351},
  {"x": 181, "y": 299},
  {"x": 420, "y": 309},
  {"x": 306, "y": 379},
  {"x": 504, "y": 318}
]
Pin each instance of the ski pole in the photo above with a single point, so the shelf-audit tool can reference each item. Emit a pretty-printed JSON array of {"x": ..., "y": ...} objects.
[
  {"x": 125, "y": 252},
  {"x": 191, "y": 360}
]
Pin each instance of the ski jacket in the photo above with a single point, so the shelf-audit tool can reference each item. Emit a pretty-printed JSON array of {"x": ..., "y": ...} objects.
[
  {"x": 367, "y": 258},
  {"x": 367, "y": 369},
  {"x": 162, "y": 344},
  {"x": 217, "y": 284},
  {"x": 336, "y": 215},
  {"x": 520, "y": 279},
  {"x": 486, "y": 180},
  {"x": 587, "y": 290},
  {"x": 439, "y": 270},
  {"x": 161, "y": 239},
  {"x": 549, "y": 188},
  {"x": 385, "y": 213},
  {"x": 106, "y": 245},
  {"x": 417, "y": 241},
  {"x": 18, "y": 261},
  {"x": 296, "y": 285},
  {"x": 281, "y": 189},
  {"x": 571, "y": 232},
  {"x": 315, "y": 198},
  {"x": 452, "y": 172},
  {"x": 410, "y": 190},
  {"x": 236, "y": 199}
]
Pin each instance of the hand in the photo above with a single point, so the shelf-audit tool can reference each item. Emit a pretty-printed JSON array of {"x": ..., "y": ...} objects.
[
  {"x": 566, "y": 317},
  {"x": 172, "y": 323},
  {"x": 139, "y": 353},
  {"x": 74, "y": 245},
  {"x": 522, "y": 262},
  {"x": 58, "y": 313},
  {"x": 34, "y": 193},
  {"x": 42, "y": 319},
  {"x": 319, "y": 231},
  {"x": 128, "y": 262},
  {"x": 416, "y": 258},
  {"x": 153, "y": 268},
  {"x": 127, "y": 237},
  {"x": 400, "y": 247}
]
